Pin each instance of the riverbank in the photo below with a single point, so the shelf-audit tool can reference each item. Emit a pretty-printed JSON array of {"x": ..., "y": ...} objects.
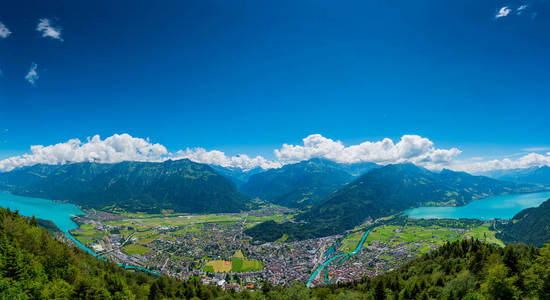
[{"x": 332, "y": 259}]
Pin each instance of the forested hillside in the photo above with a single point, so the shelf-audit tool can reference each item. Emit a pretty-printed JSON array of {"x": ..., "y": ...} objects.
[
  {"x": 35, "y": 266},
  {"x": 383, "y": 192},
  {"x": 530, "y": 226},
  {"x": 182, "y": 186}
]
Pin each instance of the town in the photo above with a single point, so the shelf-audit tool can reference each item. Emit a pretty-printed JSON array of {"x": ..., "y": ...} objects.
[{"x": 216, "y": 249}]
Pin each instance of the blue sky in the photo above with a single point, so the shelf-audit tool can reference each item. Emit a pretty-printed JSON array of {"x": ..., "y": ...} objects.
[{"x": 248, "y": 76}]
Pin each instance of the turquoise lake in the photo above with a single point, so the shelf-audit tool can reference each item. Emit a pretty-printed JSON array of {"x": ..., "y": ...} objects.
[
  {"x": 57, "y": 212},
  {"x": 496, "y": 207}
]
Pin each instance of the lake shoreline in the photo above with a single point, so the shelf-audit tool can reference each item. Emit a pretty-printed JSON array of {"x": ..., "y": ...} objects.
[{"x": 503, "y": 207}]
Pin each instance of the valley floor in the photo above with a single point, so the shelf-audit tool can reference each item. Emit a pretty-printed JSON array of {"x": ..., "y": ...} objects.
[{"x": 215, "y": 248}]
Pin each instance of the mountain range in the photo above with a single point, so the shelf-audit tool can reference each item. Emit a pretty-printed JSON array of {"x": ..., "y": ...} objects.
[
  {"x": 538, "y": 175},
  {"x": 332, "y": 198},
  {"x": 181, "y": 186},
  {"x": 302, "y": 184},
  {"x": 382, "y": 192},
  {"x": 237, "y": 175}
]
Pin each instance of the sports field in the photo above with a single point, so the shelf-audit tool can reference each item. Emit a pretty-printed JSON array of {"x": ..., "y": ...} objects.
[{"x": 218, "y": 266}]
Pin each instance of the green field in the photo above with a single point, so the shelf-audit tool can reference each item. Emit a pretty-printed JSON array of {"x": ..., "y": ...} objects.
[
  {"x": 238, "y": 254},
  {"x": 195, "y": 228},
  {"x": 395, "y": 235},
  {"x": 420, "y": 238},
  {"x": 87, "y": 234},
  {"x": 245, "y": 265},
  {"x": 209, "y": 268},
  {"x": 135, "y": 249},
  {"x": 483, "y": 233},
  {"x": 186, "y": 223},
  {"x": 83, "y": 239}
]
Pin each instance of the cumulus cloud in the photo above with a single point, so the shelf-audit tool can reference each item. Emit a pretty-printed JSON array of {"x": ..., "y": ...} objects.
[
  {"x": 525, "y": 161},
  {"x": 219, "y": 158},
  {"x": 117, "y": 148},
  {"x": 32, "y": 75},
  {"x": 124, "y": 147},
  {"x": 47, "y": 29},
  {"x": 113, "y": 149},
  {"x": 503, "y": 12},
  {"x": 4, "y": 31},
  {"x": 410, "y": 148}
]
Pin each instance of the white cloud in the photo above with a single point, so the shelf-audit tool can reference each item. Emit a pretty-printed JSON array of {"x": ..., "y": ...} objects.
[
  {"x": 219, "y": 158},
  {"x": 48, "y": 30},
  {"x": 503, "y": 12},
  {"x": 32, "y": 75},
  {"x": 410, "y": 148},
  {"x": 520, "y": 9},
  {"x": 4, "y": 31},
  {"x": 525, "y": 161},
  {"x": 124, "y": 147},
  {"x": 117, "y": 148},
  {"x": 113, "y": 149}
]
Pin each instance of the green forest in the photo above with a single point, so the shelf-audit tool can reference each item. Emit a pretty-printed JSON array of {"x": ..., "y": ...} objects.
[{"x": 33, "y": 265}]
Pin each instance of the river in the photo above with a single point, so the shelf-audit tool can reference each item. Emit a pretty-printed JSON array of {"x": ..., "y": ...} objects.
[
  {"x": 59, "y": 213},
  {"x": 332, "y": 259},
  {"x": 502, "y": 207}
]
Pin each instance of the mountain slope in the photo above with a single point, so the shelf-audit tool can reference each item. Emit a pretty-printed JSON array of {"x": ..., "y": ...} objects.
[
  {"x": 395, "y": 188},
  {"x": 530, "y": 226},
  {"x": 389, "y": 190},
  {"x": 181, "y": 185},
  {"x": 539, "y": 175},
  {"x": 298, "y": 185}
]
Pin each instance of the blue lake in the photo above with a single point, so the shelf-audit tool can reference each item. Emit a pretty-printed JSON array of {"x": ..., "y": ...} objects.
[
  {"x": 57, "y": 212},
  {"x": 501, "y": 207}
]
